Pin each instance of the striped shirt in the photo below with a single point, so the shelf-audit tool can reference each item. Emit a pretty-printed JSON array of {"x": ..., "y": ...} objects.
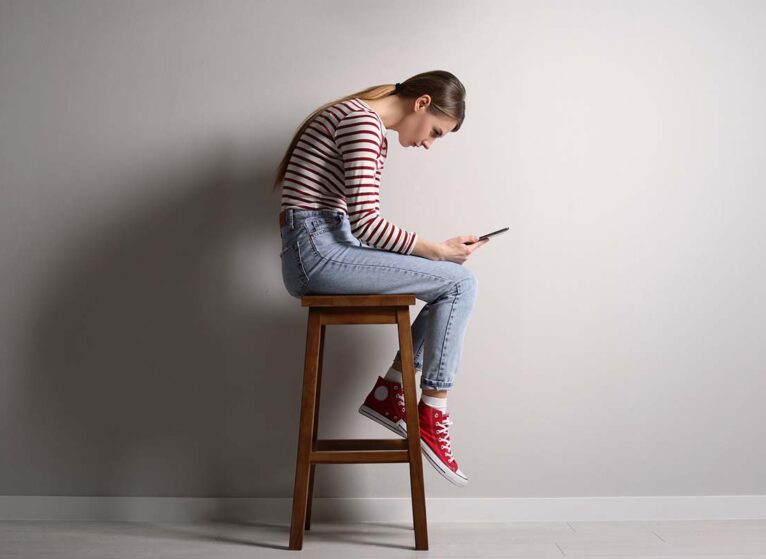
[{"x": 337, "y": 164}]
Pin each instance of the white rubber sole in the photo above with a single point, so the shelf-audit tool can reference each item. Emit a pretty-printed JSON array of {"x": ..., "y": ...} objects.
[
  {"x": 384, "y": 421},
  {"x": 442, "y": 468},
  {"x": 401, "y": 430}
]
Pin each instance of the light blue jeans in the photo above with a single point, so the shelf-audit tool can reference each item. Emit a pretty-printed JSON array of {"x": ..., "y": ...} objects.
[{"x": 320, "y": 256}]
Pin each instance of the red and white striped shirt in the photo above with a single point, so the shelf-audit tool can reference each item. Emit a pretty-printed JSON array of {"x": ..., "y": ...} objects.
[{"x": 336, "y": 165}]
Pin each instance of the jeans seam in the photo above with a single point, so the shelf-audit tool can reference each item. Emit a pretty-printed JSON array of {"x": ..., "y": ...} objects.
[
  {"x": 446, "y": 333},
  {"x": 379, "y": 266},
  {"x": 302, "y": 275},
  {"x": 414, "y": 352},
  {"x": 418, "y": 351}
]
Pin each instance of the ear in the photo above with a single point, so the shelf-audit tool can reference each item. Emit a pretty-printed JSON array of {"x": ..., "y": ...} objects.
[{"x": 423, "y": 101}]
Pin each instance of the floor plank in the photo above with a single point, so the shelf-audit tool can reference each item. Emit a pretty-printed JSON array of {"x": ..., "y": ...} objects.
[{"x": 729, "y": 539}]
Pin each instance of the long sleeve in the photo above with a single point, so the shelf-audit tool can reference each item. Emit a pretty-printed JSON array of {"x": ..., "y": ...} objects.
[{"x": 360, "y": 139}]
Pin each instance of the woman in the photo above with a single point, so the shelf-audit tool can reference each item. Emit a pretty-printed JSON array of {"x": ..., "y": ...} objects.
[{"x": 334, "y": 239}]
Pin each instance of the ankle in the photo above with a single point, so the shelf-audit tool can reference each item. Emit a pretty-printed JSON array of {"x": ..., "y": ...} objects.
[
  {"x": 438, "y": 403},
  {"x": 394, "y": 375}
]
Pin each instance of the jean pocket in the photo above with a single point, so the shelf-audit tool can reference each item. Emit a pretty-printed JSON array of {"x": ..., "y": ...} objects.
[
  {"x": 322, "y": 224},
  {"x": 333, "y": 243}
]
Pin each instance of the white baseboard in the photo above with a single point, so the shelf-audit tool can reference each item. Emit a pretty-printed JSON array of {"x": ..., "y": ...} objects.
[{"x": 179, "y": 509}]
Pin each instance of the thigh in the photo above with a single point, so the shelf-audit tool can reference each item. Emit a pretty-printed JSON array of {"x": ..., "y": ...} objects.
[{"x": 334, "y": 261}]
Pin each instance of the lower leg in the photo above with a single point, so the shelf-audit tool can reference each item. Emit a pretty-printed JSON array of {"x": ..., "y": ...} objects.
[
  {"x": 435, "y": 393},
  {"x": 427, "y": 391},
  {"x": 443, "y": 339}
]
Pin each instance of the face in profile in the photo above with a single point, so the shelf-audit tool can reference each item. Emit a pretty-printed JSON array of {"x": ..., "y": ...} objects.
[{"x": 420, "y": 128}]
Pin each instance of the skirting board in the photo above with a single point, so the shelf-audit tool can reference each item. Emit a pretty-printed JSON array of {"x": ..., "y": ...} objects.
[{"x": 278, "y": 510}]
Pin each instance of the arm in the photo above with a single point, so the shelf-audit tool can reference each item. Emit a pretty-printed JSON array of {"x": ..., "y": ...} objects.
[{"x": 359, "y": 139}]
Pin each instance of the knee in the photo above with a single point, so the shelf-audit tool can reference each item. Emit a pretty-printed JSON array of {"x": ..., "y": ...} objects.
[
  {"x": 460, "y": 282},
  {"x": 467, "y": 284}
]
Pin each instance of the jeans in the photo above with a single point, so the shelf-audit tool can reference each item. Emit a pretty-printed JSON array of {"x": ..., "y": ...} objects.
[{"x": 320, "y": 256}]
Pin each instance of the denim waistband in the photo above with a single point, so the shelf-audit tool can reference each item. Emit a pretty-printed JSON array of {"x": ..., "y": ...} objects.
[{"x": 293, "y": 215}]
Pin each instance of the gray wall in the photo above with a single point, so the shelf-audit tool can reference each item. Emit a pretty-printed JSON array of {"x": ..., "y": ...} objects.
[{"x": 147, "y": 344}]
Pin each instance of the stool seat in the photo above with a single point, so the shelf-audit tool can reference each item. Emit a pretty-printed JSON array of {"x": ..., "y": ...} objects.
[
  {"x": 373, "y": 300},
  {"x": 370, "y": 308}
]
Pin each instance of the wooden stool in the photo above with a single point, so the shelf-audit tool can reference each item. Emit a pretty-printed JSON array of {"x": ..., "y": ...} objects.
[{"x": 355, "y": 309}]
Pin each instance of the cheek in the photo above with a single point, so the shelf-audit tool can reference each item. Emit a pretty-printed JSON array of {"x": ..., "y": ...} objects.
[
  {"x": 411, "y": 130},
  {"x": 424, "y": 130},
  {"x": 416, "y": 130}
]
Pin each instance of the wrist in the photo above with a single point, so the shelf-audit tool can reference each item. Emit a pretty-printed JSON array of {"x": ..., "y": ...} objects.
[
  {"x": 428, "y": 249},
  {"x": 438, "y": 251}
]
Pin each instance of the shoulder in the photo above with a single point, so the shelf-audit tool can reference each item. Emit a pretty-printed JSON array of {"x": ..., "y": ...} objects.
[{"x": 355, "y": 113}]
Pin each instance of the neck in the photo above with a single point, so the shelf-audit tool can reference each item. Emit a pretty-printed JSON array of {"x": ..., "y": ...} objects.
[{"x": 391, "y": 110}]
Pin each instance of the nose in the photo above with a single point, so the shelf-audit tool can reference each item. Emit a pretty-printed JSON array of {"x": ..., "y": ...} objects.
[{"x": 427, "y": 144}]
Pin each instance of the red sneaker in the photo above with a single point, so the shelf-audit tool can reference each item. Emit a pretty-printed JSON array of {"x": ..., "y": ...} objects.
[
  {"x": 385, "y": 404},
  {"x": 436, "y": 445}
]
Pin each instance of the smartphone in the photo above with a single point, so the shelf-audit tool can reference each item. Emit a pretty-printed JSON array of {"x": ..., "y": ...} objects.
[{"x": 488, "y": 235}]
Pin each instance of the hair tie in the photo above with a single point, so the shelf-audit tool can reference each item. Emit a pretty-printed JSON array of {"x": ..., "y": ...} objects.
[{"x": 397, "y": 87}]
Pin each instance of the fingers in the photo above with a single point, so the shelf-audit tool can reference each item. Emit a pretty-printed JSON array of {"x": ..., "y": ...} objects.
[{"x": 475, "y": 246}]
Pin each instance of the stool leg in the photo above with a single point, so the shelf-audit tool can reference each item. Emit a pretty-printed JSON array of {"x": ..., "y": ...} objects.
[
  {"x": 413, "y": 429},
  {"x": 308, "y": 401},
  {"x": 315, "y": 433}
]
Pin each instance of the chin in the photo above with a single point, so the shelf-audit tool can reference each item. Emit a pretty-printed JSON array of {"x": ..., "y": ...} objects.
[{"x": 401, "y": 143}]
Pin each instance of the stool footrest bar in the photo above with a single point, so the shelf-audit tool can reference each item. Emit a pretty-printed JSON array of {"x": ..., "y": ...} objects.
[
  {"x": 359, "y": 457},
  {"x": 361, "y": 444}
]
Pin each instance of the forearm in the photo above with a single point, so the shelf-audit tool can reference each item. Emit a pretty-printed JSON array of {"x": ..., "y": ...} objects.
[{"x": 427, "y": 249}]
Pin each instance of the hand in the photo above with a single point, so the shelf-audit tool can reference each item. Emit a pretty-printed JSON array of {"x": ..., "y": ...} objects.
[{"x": 455, "y": 249}]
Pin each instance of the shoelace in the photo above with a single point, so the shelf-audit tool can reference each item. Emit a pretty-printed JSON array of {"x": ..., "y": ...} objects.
[
  {"x": 443, "y": 429},
  {"x": 448, "y": 444}
]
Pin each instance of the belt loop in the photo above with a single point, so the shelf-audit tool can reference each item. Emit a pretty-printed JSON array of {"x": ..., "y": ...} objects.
[{"x": 289, "y": 216}]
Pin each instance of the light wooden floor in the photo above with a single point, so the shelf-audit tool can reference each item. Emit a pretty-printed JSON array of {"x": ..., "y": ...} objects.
[{"x": 729, "y": 539}]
